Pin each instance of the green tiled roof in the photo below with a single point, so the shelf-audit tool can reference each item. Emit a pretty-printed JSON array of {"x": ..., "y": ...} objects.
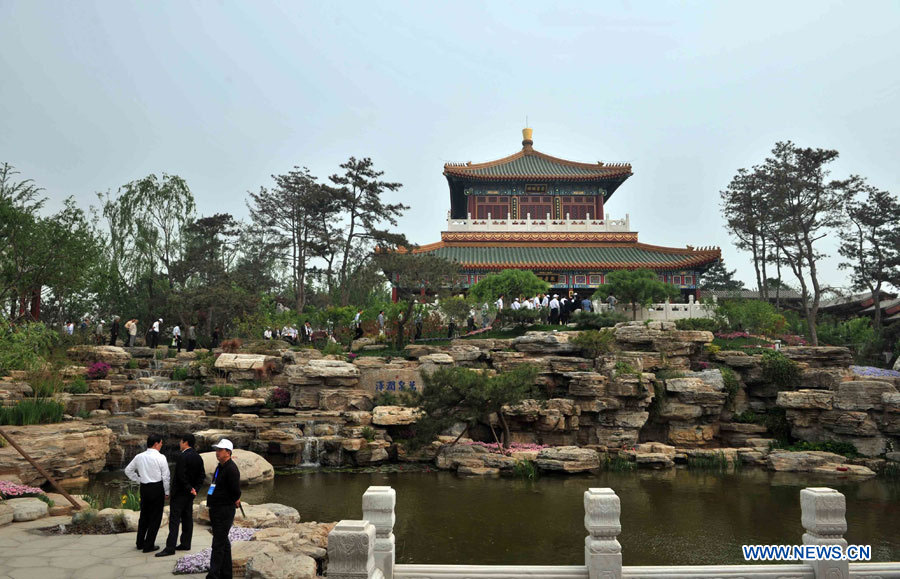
[
  {"x": 609, "y": 256},
  {"x": 534, "y": 165}
]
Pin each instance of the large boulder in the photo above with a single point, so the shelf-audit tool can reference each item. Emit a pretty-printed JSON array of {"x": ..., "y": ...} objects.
[
  {"x": 28, "y": 509},
  {"x": 259, "y": 516},
  {"x": 330, "y": 369},
  {"x": 568, "y": 459},
  {"x": 806, "y": 461},
  {"x": 112, "y": 355},
  {"x": 820, "y": 356},
  {"x": 6, "y": 514},
  {"x": 280, "y": 565},
  {"x": 254, "y": 468},
  {"x": 69, "y": 451},
  {"x": 394, "y": 415},
  {"x": 545, "y": 343},
  {"x": 248, "y": 363}
]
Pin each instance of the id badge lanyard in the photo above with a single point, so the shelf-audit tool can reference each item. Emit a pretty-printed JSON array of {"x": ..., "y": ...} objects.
[{"x": 212, "y": 487}]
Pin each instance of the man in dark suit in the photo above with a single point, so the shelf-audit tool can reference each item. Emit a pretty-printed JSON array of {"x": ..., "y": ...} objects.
[{"x": 189, "y": 477}]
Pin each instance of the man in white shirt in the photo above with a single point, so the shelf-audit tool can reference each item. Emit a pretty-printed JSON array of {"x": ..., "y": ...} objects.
[
  {"x": 499, "y": 303},
  {"x": 516, "y": 305},
  {"x": 151, "y": 470},
  {"x": 176, "y": 336},
  {"x": 554, "y": 310},
  {"x": 154, "y": 334}
]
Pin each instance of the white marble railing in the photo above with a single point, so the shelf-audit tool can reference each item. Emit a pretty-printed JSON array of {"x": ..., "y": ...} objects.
[
  {"x": 533, "y": 223},
  {"x": 366, "y": 549}
]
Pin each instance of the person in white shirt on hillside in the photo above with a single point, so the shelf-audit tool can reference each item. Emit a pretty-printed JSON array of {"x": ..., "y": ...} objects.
[
  {"x": 151, "y": 470},
  {"x": 516, "y": 305},
  {"x": 176, "y": 337},
  {"x": 554, "y": 310},
  {"x": 154, "y": 333}
]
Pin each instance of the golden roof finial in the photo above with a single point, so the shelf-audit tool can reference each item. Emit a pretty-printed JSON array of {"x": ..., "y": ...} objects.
[{"x": 526, "y": 138}]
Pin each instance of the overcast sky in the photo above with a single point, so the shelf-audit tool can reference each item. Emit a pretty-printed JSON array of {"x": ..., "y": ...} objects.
[{"x": 96, "y": 94}]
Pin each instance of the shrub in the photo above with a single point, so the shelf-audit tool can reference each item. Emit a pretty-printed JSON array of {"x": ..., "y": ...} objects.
[
  {"x": 669, "y": 373},
  {"x": 232, "y": 346},
  {"x": 83, "y": 414},
  {"x": 223, "y": 391},
  {"x": 78, "y": 385},
  {"x": 780, "y": 370},
  {"x": 520, "y": 317},
  {"x": 368, "y": 433},
  {"x": 526, "y": 469},
  {"x": 97, "y": 371},
  {"x": 748, "y": 417},
  {"x": 712, "y": 349},
  {"x": 45, "y": 384},
  {"x": 332, "y": 348},
  {"x": 199, "y": 389},
  {"x": 703, "y": 324},
  {"x": 25, "y": 346},
  {"x": 617, "y": 464},
  {"x": 594, "y": 342},
  {"x": 180, "y": 373},
  {"x": 778, "y": 426},
  {"x": 732, "y": 384},
  {"x": 750, "y": 315},
  {"x": 597, "y": 320},
  {"x": 624, "y": 368},
  {"x": 131, "y": 500},
  {"x": 279, "y": 398},
  {"x": 132, "y": 364},
  {"x": 717, "y": 462},
  {"x": 32, "y": 411}
]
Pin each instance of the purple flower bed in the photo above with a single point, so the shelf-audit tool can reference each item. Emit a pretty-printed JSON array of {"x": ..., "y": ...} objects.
[
  {"x": 514, "y": 446},
  {"x": 872, "y": 371},
  {"x": 199, "y": 562},
  {"x": 11, "y": 490},
  {"x": 97, "y": 371}
]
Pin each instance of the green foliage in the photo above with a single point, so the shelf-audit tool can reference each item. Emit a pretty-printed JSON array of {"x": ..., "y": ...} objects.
[
  {"x": 520, "y": 317},
  {"x": 778, "y": 426},
  {"x": 755, "y": 316},
  {"x": 45, "y": 499},
  {"x": 732, "y": 384},
  {"x": 83, "y": 414},
  {"x": 180, "y": 373},
  {"x": 368, "y": 433},
  {"x": 856, "y": 334},
  {"x": 456, "y": 394},
  {"x": 78, "y": 385},
  {"x": 717, "y": 462},
  {"x": 510, "y": 283},
  {"x": 223, "y": 391},
  {"x": 658, "y": 404},
  {"x": 624, "y": 368},
  {"x": 199, "y": 389},
  {"x": 32, "y": 411},
  {"x": 132, "y": 364},
  {"x": 748, "y": 417},
  {"x": 131, "y": 500},
  {"x": 526, "y": 470},
  {"x": 596, "y": 320},
  {"x": 386, "y": 398},
  {"x": 45, "y": 384},
  {"x": 25, "y": 346},
  {"x": 780, "y": 370},
  {"x": 891, "y": 470},
  {"x": 332, "y": 349},
  {"x": 697, "y": 324},
  {"x": 456, "y": 308},
  {"x": 593, "y": 342},
  {"x": 669, "y": 373},
  {"x": 617, "y": 464},
  {"x": 639, "y": 288}
]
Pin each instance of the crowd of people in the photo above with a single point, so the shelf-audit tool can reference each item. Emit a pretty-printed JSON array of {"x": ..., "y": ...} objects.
[
  {"x": 290, "y": 334},
  {"x": 97, "y": 329},
  {"x": 553, "y": 309}
]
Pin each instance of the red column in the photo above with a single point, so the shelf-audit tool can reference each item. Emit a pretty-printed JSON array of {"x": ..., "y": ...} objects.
[
  {"x": 36, "y": 304},
  {"x": 394, "y": 295}
]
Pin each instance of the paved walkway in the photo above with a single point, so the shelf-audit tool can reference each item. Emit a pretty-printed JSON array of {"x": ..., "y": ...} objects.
[{"x": 26, "y": 553}]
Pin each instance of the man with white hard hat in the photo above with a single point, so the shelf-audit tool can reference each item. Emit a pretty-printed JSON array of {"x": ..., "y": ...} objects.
[{"x": 223, "y": 497}]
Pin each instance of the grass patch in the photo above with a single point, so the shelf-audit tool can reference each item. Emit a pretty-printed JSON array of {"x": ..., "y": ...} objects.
[
  {"x": 180, "y": 373},
  {"x": 741, "y": 343},
  {"x": 617, "y": 464},
  {"x": 594, "y": 342},
  {"x": 32, "y": 411},
  {"x": 526, "y": 470},
  {"x": 891, "y": 470},
  {"x": 132, "y": 364},
  {"x": 223, "y": 391},
  {"x": 368, "y": 433},
  {"x": 717, "y": 462},
  {"x": 669, "y": 373},
  {"x": 78, "y": 386},
  {"x": 625, "y": 369},
  {"x": 748, "y": 417},
  {"x": 780, "y": 370},
  {"x": 732, "y": 385}
]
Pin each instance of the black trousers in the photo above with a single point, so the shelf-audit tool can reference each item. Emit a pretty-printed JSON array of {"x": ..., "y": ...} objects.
[
  {"x": 181, "y": 509},
  {"x": 153, "y": 498},
  {"x": 554, "y": 316},
  {"x": 191, "y": 345},
  {"x": 220, "y": 517}
]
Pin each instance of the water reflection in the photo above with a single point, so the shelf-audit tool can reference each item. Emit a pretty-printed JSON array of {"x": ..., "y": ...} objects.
[{"x": 668, "y": 517}]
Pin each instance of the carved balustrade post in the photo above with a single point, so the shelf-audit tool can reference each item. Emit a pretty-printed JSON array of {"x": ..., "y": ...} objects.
[
  {"x": 351, "y": 551},
  {"x": 602, "y": 551},
  {"x": 823, "y": 513},
  {"x": 378, "y": 508}
]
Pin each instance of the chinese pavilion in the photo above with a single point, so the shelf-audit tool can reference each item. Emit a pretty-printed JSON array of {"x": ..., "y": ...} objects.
[{"x": 541, "y": 213}]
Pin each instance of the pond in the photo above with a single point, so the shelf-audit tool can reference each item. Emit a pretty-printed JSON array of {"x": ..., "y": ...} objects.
[{"x": 676, "y": 517}]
